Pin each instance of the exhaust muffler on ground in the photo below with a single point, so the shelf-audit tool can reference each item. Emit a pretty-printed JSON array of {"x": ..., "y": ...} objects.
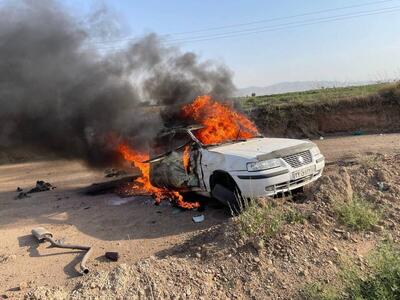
[{"x": 43, "y": 235}]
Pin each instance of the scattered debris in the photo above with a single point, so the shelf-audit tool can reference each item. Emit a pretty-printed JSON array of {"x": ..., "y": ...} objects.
[
  {"x": 382, "y": 186},
  {"x": 43, "y": 235},
  {"x": 108, "y": 186},
  {"x": 19, "y": 189},
  {"x": 358, "y": 132},
  {"x": 113, "y": 256},
  {"x": 22, "y": 195},
  {"x": 41, "y": 186},
  {"x": 198, "y": 219}
]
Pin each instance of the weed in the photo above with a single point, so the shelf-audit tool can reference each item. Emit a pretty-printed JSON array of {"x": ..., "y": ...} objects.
[
  {"x": 319, "y": 291},
  {"x": 384, "y": 280},
  {"x": 357, "y": 214},
  {"x": 259, "y": 221},
  {"x": 293, "y": 216},
  {"x": 381, "y": 281}
]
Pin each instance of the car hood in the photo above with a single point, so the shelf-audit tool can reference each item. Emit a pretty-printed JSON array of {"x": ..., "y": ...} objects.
[{"x": 254, "y": 148}]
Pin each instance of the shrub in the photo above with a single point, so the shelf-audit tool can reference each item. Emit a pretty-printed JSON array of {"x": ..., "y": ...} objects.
[{"x": 357, "y": 214}]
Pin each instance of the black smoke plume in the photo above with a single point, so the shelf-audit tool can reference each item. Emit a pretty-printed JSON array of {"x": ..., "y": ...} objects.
[{"x": 60, "y": 93}]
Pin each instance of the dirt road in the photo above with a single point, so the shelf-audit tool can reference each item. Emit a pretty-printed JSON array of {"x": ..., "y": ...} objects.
[{"x": 135, "y": 229}]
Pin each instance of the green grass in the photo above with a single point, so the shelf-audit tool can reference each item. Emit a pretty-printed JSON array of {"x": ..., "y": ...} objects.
[
  {"x": 262, "y": 220},
  {"x": 357, "y": 214},
  {"x": 381, "y": 281},
  {"x": 259, "y": 221},
  {"x": 313, "y": 96},
  {"x": 293, "y": 216},
  {"x": 384, "y": 281},
  {"x": 319, "y": 291}
]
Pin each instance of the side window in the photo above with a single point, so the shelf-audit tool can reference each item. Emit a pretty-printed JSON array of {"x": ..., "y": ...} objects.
[
  {"x": 180, "y": 139},
  {"x": 166, "y": 143},
  {"x": 162, "y": 145}
]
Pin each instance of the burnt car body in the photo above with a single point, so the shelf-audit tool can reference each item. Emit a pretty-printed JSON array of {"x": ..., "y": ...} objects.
[{"x": 241, "y": 168}]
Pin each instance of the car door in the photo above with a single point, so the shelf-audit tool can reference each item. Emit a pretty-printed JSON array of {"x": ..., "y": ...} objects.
[{"x": 174, "y": 162}]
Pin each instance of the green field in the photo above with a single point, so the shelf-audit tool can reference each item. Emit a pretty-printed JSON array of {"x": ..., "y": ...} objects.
[{"x": 312, "y": 96}]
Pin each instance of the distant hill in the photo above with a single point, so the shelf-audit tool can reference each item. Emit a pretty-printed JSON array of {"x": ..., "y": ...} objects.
[{"x": 296, "y": 86}]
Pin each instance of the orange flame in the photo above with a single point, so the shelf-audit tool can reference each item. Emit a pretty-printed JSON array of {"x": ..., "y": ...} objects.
[
  {"x": 143, "y": 184},
  {"x": 186, "y": 158},
  {"x": 220, "y": 122}
]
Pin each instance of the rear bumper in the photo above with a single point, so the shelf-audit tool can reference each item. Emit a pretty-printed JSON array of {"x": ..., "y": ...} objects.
[{"x": 275, "y": 181}]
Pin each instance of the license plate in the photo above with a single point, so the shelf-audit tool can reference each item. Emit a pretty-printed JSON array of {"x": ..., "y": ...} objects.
[{"x": 303, "y": 172}]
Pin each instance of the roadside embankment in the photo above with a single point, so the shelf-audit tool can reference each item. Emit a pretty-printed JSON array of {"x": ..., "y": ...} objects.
[{"x": 373, "y": 113}]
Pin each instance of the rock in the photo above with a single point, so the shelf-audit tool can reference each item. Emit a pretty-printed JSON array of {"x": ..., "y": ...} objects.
[
  {"x": 198, "y": 254},
  {"x": 113, "y": 256},
  {"x": 23, "y": 286},
  {"x": 258, "y": 244},
  {"x": 22, "y": 195},
  {"x": 286, "y": 237},
  {"x": 347, "y": 235}
]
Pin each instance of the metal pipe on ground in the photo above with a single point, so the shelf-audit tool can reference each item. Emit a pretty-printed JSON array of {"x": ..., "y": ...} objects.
[{"x": 43, "y": 235}]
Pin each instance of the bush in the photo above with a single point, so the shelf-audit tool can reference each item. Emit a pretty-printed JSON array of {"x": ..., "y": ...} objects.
[
  {"x": 357, "y": 214},
  {"x": 390, "y": 90},
  {"x": 259, "y": 221}
]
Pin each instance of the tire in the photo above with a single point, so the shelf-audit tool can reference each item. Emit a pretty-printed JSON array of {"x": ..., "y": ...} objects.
[{"x": 225, "y": 190}]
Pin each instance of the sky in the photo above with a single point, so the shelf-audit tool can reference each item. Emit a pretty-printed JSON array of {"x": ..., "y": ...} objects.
[{"x": 353, "y": 49}]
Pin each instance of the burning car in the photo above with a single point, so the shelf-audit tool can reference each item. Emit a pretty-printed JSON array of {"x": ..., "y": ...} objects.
[
  {"x": 233, "y": 169},
  {"x": 224, "y": 157}
]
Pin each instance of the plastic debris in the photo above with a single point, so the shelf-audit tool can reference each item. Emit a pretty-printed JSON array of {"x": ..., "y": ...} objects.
[{"x": 198, "y": 219}]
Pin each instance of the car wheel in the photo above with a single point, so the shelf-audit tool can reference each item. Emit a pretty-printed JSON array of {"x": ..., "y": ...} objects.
[{"x": 227, "y": 192}]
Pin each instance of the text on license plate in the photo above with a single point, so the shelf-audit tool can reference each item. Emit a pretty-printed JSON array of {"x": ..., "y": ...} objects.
[{"x": 303, "y": 172}]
